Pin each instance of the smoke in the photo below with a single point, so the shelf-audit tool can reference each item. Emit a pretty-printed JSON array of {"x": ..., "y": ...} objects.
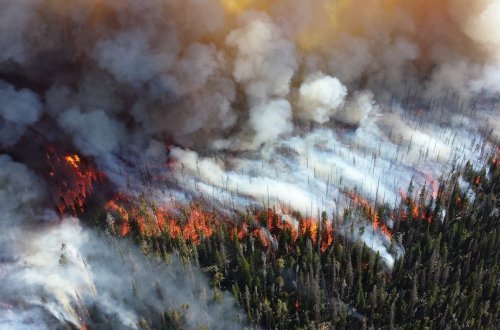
[
  {"x": 264, "y": 65},
  {"x": 320, "y": 97},
  {"x": 265, "y": 61},
  {"x": 270, "y": 121},
  {"x": 168, "y": 70},
  {"x": 94, "y": 133},
  {"x": 18, "y": 110},
  {"x": 59, "y": 273},
  {"x": 288, "y": 103}
]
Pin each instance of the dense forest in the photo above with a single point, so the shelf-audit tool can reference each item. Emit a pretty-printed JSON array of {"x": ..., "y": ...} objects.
[{"x": 314, "y": 277}]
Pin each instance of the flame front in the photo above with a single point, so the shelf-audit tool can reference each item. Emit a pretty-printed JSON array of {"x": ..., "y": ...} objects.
[{"x": 194, "y": 224}]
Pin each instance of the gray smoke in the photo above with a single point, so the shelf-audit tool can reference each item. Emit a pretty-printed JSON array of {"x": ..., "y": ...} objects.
[
  {"x": 289, "y": 103},
  {"x": 208, "y": 76},
  {"x": 18, "y": 110}
]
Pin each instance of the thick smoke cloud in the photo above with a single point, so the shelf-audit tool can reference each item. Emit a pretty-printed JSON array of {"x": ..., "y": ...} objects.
[
  {"x": 197, "y": 71},
  {"x": 289, "y": 103},
  {"x": 18, "y": 110},
  {"x": 320, "y": 97},
  {"x": 94, "y": 133},
  {"x": 265, "y": 61}
]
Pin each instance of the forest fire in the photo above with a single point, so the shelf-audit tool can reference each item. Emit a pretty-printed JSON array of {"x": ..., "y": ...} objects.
[
  {"x": 370, "y": 212},
  {"x": 151, "y": 220},
  {"x": 308, "y": 227},
  {"x": 194, "y": 224},
  {"x": 199, "y": 225},
  {"x": 434, "y": 189},
  {"x": 403, "y": 194},
  {"x": 327, "y": 236},
  {"x": 157, "y": 141},
  {"x": 73, "y": 179},
  {"x": 413, "y": 209}
]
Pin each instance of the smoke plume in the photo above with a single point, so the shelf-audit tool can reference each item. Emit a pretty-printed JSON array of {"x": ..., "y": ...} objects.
[{"x": 287, "y": 104}]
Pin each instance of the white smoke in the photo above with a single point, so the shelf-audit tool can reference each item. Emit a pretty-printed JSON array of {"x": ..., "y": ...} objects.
[
  {"x": 58, "y": 273},
  {"x": 271, "y": 120},
  {"x": 265, "y": 62},
  {"x": 320, "y": 97},
  {"x": 285, "y": 103},
  {"x": 483, "y": 26}
]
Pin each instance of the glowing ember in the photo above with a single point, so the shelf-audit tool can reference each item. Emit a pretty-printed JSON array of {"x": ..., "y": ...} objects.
[{"x": 73, "y": 160}]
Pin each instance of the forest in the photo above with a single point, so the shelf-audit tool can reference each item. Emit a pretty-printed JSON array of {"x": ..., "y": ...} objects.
[{"x": 315, "y": 277}]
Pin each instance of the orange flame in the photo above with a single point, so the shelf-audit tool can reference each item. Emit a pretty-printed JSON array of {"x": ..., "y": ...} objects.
[
  {"x": 152, "y": 221},
  {"x": 73, "y": 178},
  {"x": 326, "y": 236},
  {"x": 73, "y": 160},
  {"x": 198, "y": 226},
  {"x": 260, "y": 234},
  {"x": 371, "y": 213},
  {"x": 309, "y": 227},
  {"x": 194, "y": 224}
]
